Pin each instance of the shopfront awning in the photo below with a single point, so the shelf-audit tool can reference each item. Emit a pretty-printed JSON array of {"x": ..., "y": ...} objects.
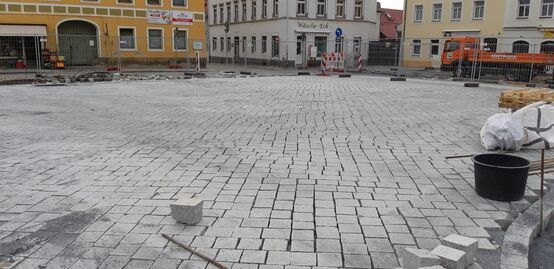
[{"x": 22, "y": 30}]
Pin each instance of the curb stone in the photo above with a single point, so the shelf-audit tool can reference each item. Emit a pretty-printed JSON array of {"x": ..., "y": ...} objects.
[{"x": 518, "y": 238}]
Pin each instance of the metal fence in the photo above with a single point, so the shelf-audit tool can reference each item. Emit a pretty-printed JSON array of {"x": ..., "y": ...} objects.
[
  {"x": 477, "y": 59},
  {"x": 301, "y": 53},
  {"x": 42, "y": 54}
]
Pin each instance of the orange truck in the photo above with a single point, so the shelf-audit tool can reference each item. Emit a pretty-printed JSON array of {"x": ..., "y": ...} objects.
[{"x": 463, "y": 56}]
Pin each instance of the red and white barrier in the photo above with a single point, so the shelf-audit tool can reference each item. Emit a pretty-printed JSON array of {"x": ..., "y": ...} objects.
[{"x": 360, "y": 63}]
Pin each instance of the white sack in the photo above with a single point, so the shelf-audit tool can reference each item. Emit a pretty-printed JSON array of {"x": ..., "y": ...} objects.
[
  {"x": 529, "y": 127},
  {"x": 502, "y": 131}
]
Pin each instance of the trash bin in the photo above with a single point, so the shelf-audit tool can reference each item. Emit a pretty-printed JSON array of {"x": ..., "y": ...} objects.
[{"x": 500, "y": 177}]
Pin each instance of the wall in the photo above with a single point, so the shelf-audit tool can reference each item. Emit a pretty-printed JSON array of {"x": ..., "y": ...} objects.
[
  {"x": 490, "y": 26},
  {"x": 106, "y": 16}
]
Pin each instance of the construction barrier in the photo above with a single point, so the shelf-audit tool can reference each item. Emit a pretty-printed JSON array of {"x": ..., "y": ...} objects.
[
  {"x": 360, "y": 63},
  {"x": 333, "y": 62}
]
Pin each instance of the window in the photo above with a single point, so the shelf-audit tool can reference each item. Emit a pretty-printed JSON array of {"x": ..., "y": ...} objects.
[
  {"x": 276, "y": 8},
  {"x": 547, "y": 7},
  {"x": 215, "y": 14},
  {"x": 244, "y": 44},
  {"x": 340, "y": 9},
  {"x": 437, "y": 12},
  {"x": 457, "y": 11},
  {"x": 253, "y": 44},
  {"x": 434, "y": 47},
  {"x": 125, "y": 1},
  {"x": 523, "y": 9},
  {"x": 236, "y": 4},
  {"x": 357, "y": 45},
  {"x": 301, "y": 8},
  {"x": 338, "y": 44},
  {"x": 418, "y": 13},
  {"x": 320, "y": 43},
  {"x": 478, "y": 10},
  {"x": 222, "y": 43},
  {"x": 155, "y": 39},
  {"x": 127, "y": 38},
  {"x": 264, "y": 44},
  {"x": 244, "y": 10},
  {"x": 320, "y": 7},
  {"x": 416, "y": 47},
  {"x": 229, "y": 44},
  {"x": 180, "y": 39},
  {"x": 179, "y": 3},
  {"x": 154, "y": 2},
  {"x": 547, "y": 47},
  {"x": 358, "y": 9},
  {"x": 490, "y": 44},
  {"x": 264, "y": 8},
  {"x": 214, "y": 44},
  {"x": 221, "y": 16},
  {"x": 254, "y": 9},
  {"x": 520, "y": 46},
  {"x": 228, "y": 12},
  {"x": 275, "y": 46}
]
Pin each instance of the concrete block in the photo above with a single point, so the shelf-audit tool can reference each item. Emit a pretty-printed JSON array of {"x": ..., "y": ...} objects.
[
  {"x": 465, "y": 244},
  {"x": 450, "y": 258},
  {"x": 414, "y": 258},
  {"x": 187, "y": 210}
]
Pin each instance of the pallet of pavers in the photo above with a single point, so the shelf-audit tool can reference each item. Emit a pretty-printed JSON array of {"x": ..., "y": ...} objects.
[{"x": 516, "y": 99}]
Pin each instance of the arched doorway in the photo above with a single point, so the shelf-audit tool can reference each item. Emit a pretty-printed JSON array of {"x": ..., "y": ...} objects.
[{"x": 78, "y": 42}]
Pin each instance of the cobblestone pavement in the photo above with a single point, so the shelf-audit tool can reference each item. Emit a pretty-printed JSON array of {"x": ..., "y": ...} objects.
[{"x": 295, "y": 172}]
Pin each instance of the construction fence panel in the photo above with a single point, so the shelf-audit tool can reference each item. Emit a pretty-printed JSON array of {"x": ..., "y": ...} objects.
[{"x": 482, "y": 59}]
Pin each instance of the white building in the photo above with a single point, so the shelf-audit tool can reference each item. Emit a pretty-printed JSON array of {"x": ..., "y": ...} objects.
[
  {"x": 528, "y": 26},
  {"x": 289, "y": 31}
]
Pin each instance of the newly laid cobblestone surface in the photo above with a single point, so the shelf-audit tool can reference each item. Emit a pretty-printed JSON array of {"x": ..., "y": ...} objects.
[{"x": 295, "y": 172}]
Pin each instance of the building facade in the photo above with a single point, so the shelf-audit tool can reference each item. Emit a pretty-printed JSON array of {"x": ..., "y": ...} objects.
[
  {"x": 529, "y": 26},
  {"x": 293, "y": 32},
  {"x": 88, "y": 31},
  {"x": 430, "y": 22}
]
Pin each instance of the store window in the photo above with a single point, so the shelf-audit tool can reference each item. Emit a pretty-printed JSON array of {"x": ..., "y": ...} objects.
[
  {"x": 127, "y": 38},
  {"x": 155, "y": 39},
  {"x": 180, "y": 39}
]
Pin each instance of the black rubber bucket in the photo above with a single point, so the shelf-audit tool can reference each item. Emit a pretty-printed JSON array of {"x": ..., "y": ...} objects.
[{"x": 501, "y": 177}]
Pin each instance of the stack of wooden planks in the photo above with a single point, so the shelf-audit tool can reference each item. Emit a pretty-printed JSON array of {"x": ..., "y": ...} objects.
[
  {"x": 536, "y": 167},
  {"x": 516, "y": 99}
]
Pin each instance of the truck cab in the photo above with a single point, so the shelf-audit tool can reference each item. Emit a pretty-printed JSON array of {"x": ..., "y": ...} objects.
[{"x": 457, "y": 49}]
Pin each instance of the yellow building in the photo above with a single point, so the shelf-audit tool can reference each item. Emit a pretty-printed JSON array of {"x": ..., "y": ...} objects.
[
  {"x": 430, "y": 22},
  {"x": 87, "y": 32}
]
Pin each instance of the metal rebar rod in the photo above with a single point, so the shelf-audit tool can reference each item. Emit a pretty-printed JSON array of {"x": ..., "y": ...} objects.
[
  {"x": 541, "y": 194},
  {"x": 204, "y": 257}
]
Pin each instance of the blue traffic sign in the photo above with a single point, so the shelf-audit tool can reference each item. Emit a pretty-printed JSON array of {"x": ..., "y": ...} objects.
[{"x": 338, "y": 32}]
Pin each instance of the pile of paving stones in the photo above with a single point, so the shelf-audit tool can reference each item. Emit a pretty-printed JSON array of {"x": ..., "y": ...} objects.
[{"x": 457, "y": 252}]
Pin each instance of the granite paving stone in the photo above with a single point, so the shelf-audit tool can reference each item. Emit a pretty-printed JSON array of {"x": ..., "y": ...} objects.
[{"x": 294, "y": 172}]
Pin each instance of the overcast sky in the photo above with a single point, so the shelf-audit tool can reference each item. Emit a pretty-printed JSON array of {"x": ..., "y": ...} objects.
[{"x": 396, "y": 4}]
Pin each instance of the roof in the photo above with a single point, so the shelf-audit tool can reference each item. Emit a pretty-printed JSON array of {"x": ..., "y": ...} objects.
[{"x": 390, "y": 20}]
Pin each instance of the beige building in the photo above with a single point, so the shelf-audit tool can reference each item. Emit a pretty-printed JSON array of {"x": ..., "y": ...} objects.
[{"x": 430, "y": 22}]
